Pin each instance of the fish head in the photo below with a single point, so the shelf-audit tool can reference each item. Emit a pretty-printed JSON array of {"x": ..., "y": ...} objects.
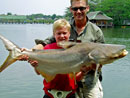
[
  {"x": 107, "y": 53},
  {"x": 120, "y": 54}
]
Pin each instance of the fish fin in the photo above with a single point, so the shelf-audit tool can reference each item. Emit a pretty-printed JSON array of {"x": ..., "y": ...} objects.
[
  {"x": 14, "y": 53},
  {"x": 93, "y": 56},
  {"x": 96, "y": 72},
  {"x": 47, "y": 51},
  {"x": 71, "y": 75},
  {"x": 47, "y": 77},
  {"x": 7, "y": 62},
  {"x": 9, "y": 45},
  {"x": 75, "y": 77},
  {"x": 65, "y": 44},
  {"x": 97, "y": 67}
]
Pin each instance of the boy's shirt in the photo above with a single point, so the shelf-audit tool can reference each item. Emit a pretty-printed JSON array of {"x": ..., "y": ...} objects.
[{"x": 61, "y": 81}]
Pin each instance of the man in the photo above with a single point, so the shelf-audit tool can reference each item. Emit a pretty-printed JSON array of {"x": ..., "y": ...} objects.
[{"x": 85, "y": 31}]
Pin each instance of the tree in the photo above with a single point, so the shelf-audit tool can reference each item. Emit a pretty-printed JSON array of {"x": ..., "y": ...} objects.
[
  {"x": 92, "y": 7},
  {"x": 68, "y": 14},
  {"x": 117, "y": 9},
  {"x": 95, "y": 1},
  {"x": 9, "y": 13},
  {"x": 53, "y": 16}
]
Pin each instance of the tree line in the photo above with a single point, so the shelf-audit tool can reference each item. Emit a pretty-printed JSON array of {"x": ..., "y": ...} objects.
[{"x": 34, "y": 18}]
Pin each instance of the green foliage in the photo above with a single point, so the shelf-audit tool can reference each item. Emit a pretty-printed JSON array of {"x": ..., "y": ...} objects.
[
  {"x": 31, "y": 17},
  {"x": 68, "y": 14},
  {"x": 92, "y": 7},
  {"x": 34, "y": 18},
  {"x": 53, "y": 16},
  {"x": 9, "y": 13},
  {"x": 95, "y": 1},
  {"x": 117, "y": 9}
]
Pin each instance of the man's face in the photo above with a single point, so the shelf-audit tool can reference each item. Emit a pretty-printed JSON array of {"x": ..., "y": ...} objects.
[
  {"x": 79, "y": 9},
  {"x": 61, "y": 34}
]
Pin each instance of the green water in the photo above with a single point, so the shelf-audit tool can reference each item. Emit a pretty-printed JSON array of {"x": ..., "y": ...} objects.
[
  {"x": 116, "y": 75},
  {"x": 117, "y": 36},
  {"x": 20, "y": 81}
]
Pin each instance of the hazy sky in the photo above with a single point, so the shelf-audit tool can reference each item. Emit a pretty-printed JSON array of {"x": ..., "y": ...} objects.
[{"x": 22, "y": 7}]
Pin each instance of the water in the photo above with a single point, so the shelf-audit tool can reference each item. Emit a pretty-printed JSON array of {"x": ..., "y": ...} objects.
[
  {"x": 116, "y": 75},
  {"x": 20, "y": 81}
]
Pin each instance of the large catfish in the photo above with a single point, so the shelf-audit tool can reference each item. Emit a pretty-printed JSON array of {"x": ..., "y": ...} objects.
[{"x": 69, "y": 60}]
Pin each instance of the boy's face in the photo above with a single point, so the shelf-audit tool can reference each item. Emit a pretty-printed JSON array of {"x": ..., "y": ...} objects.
[
  {"x": 79, "y": 9},
  {"x": 61, "y": 34}
]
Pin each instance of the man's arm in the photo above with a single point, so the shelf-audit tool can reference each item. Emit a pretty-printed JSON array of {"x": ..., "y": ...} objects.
[
  {"x": 46, "y": 41},
  {"x": 100, "y": 36}
]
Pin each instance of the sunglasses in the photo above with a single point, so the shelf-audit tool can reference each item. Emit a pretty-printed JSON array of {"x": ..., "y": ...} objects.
[{"x": 80, "y": 8}]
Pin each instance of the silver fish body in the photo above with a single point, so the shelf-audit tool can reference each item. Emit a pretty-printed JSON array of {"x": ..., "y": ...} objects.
[{"x": 69, "y": 60}]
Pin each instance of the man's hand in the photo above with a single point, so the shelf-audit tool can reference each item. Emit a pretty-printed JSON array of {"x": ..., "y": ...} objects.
[{"x": 85, "y": 69}]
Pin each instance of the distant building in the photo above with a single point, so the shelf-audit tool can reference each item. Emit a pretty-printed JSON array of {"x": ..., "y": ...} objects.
[
  {"x": 126, "y": 22},
  {"x": 100, "y": 19},
  {"x": 13, "y": 18}
]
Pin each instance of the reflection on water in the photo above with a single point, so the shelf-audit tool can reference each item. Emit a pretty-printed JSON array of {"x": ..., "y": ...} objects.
[
  {"x": 20, "y": 80},
  {"x": 117, "y": 36}
]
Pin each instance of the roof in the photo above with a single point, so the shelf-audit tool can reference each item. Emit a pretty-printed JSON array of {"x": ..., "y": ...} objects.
[
  {"x": 12, "y": 17},
  {"x": 98, "y": 15}
]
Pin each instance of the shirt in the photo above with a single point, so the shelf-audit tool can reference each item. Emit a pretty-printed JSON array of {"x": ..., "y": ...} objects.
[{"x": 91, "y": 33}]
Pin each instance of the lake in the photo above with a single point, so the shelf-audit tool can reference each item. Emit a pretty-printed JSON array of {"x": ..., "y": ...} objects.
[{"x": 20, "y": 81}]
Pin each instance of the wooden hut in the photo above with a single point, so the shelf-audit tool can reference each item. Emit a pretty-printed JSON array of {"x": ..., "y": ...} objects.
[{"x": 100, "y": 19}]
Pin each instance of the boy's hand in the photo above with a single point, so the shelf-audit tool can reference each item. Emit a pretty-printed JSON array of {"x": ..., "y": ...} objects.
[
  {"x": 34, "y": 63},
  {"x": 23, "y": 58}
]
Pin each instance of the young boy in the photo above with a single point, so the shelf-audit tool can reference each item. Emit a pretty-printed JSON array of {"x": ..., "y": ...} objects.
[{"x": 62, "y": 82}]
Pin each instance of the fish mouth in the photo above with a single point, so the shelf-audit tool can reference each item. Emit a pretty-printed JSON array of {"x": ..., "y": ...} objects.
[
  {"x": 124, "y": 53},
  {"x": 120, "y": 54}
]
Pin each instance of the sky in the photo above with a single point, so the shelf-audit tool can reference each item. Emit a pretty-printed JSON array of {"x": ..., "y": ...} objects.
[{"x": 28, "y": 7}]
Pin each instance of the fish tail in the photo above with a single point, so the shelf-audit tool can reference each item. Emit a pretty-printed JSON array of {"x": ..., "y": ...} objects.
[
  {"x": 9, "y": 60},
  {"x": 14, "y": 53}
]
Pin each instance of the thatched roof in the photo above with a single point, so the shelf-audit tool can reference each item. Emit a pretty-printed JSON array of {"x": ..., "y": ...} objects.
[{"x": 98, "y": 15}]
